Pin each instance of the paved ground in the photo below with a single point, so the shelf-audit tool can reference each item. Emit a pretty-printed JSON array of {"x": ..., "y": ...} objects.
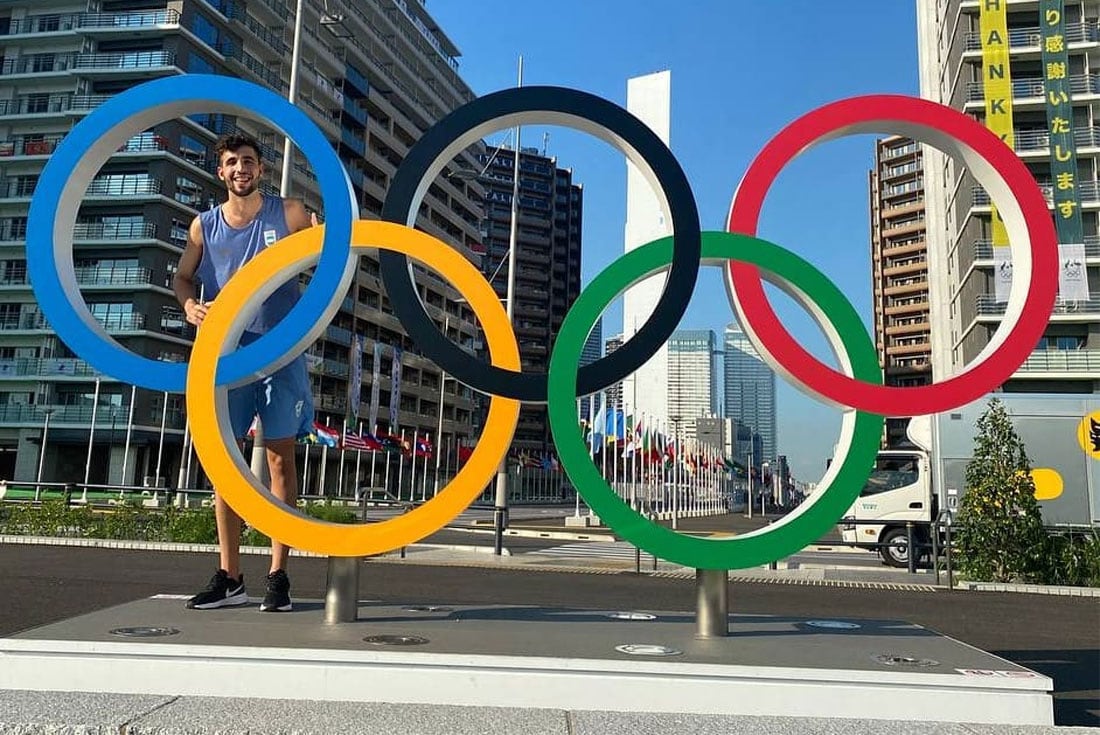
[{"x": 1057, "y": 636}]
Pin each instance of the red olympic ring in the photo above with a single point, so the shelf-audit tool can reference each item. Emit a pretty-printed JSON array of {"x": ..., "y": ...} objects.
[{"x": 926, "y": 122}]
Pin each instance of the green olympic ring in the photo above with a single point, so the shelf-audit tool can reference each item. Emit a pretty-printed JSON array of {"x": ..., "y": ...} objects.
[{"x": 799, "y": 528}]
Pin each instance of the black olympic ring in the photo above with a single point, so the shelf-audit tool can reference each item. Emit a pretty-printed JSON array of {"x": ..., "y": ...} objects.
[{"x": 545, "y": 106}]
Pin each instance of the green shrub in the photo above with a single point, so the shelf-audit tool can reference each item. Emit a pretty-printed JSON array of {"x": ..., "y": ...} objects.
[
  {"x": 1000, "y": 536},
  {"x": 191, "y": 526},
  {"x": 1074, "y": 559}
]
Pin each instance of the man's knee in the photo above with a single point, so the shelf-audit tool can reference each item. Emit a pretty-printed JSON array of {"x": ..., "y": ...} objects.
[{"x": 280, "y": 455}]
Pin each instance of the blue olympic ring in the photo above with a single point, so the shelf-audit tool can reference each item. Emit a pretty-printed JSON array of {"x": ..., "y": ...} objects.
[{"x": 79, "y": 157}]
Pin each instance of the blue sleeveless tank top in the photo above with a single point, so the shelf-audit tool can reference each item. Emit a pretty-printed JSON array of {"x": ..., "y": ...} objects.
[{"x": 225, "y": 249}]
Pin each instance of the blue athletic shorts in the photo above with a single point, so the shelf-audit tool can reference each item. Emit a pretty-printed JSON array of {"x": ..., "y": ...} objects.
[{"x": 282, "y": 400}]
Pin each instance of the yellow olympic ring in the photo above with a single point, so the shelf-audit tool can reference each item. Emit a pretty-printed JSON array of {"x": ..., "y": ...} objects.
[{"x": 207, "y": 404}]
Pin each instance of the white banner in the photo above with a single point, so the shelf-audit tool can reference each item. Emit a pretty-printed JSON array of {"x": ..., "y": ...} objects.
[
  {"x": 355, "y": 380},
  {"x": 1073, "y": 281},
  {"x": 1002, "y": 273},
  {"x": 395, "y": 389},
  {"x": 375, "y": 386}
]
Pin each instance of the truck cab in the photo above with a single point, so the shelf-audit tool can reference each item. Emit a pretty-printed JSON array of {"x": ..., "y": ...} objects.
[{"x": 898, "y": 490}]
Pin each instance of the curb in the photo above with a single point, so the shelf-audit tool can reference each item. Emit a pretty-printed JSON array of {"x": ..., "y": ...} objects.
[{"x": 514, "y": 563}]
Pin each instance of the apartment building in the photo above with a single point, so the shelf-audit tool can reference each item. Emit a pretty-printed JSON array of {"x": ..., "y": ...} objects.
[
  {"x": 899, "y": 268},
  {"x": 1025, "y": 70},
  {"x": 548, "y": 261},
  {"x": 692, "y": 380},
  {"x": 374, "y": 74}
]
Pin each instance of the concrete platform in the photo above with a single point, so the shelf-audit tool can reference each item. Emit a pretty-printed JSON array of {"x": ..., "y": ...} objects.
[{"x": 531, "y": 657}]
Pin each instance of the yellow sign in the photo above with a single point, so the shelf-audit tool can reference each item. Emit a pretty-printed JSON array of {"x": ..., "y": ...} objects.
[
  {"x": 1048, "y": 483},
  {"x": 996, "y": 85},
  {"x": 1088, "y": 435}
]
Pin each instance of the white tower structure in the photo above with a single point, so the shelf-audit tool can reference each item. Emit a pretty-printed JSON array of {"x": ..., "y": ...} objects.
[{"x": 648, "y": 99}]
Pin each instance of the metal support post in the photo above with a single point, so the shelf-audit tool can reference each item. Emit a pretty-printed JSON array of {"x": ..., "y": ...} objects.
[
  {"x": 342, "y": 590},
  {"x": 909, "y": 538},
  {"x": 711, "y": 603}
]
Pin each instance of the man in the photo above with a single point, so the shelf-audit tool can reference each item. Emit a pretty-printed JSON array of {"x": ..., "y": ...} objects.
[{"x": 219, "y": 242}]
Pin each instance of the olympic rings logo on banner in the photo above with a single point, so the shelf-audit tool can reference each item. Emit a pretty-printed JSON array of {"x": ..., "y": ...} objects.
[{"x": 334, "y": 250}]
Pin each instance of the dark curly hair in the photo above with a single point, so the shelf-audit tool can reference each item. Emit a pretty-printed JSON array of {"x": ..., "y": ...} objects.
[{"x": 234, "y": 141}]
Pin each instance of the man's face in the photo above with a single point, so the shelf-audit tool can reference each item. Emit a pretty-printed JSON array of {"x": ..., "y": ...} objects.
[{"x": 241, "y": 171}]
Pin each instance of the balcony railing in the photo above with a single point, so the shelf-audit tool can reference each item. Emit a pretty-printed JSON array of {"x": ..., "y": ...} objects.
[
  {"x": 52, "y": 367},
  {"x": 119, "y": 231},
  {"x": 133, "y": 20},
  {"x": 50, "y": 23},
  {"x": 87, "y": 102},
  {"x": 123, "y": 187},
  {"x": 1039, "y": 139},
  {"x": 35, "y": 105},
  {"x": 1062, "y": 361},
  {"x": 37, "y": 64},
  {"x": 1089, "y": 191},
  {"x": 1034, "y": 87},
  {"x": 1031, "y": 37},
  {"x": 125, "y": 61},
  {"x": 987, "y": 305},
  {"x": 113, "y": 277},
  {"x": 22, "y": 146},
  {"x": 983, "y": 249}
]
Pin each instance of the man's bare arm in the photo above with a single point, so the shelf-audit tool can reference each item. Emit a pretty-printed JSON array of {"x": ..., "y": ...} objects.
[
  {"x": 298, "y": 218},
  {"x": 184, "y": 283}
]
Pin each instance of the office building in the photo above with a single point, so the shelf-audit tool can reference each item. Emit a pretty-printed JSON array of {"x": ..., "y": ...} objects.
[
  {"x": 1028, "y": 76},
  {"x": 750, "y": 396},
  {"x": 373, "y": 76},
  {"x": 548, "y": 262},
  {"x": 592, "y": 351},
  {"x": 692, "y": 380},
  {"x": 899, "y": 269},
  {"x": 614, "y": 392}
]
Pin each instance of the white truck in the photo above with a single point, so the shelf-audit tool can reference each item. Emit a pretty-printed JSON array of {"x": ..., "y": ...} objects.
[{"x": 1061, "y": 433}]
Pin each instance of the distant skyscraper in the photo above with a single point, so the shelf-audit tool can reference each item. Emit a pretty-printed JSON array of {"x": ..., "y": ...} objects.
[
  {"x": 593, "y": 348},
  {"x": 750, "y": 390},
  {"x": 692, "y": 379},
  {"x": 615, "y": 392}
]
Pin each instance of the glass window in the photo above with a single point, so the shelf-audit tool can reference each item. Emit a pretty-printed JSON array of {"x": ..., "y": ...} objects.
[
  {"x": 198, "y": 65},
  {"x": 891, "y": 473}
]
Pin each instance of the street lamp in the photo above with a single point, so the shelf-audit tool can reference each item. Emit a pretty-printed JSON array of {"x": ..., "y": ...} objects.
[
  {"x": 42, "y": 454},
  {"x": 763, "y": 486}
]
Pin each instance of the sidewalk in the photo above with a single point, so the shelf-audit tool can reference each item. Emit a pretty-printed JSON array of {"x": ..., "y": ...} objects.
[{"x": 42, "y": 713}]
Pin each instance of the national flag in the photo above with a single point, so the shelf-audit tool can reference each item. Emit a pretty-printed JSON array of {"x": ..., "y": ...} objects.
[
  {"x": 464, "y": 452},
  {"x": 361, "y": 442},
  {"x": 423, "y": 448},
  {"x": 326, "y": 436}
]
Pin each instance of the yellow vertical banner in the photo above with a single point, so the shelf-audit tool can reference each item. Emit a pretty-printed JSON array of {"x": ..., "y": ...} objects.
[{"x": 997, "y": 89}]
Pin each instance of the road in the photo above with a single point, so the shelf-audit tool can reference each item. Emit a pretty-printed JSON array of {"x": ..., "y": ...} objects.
[{"x": 1057, "y": 636}]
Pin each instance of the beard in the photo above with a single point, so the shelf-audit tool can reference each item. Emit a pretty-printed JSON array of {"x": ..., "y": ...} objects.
[{"x": 242, "y": 188}]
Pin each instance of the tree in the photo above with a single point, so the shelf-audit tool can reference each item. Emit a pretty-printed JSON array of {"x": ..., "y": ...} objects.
[{"x": 1000, "y": 535}]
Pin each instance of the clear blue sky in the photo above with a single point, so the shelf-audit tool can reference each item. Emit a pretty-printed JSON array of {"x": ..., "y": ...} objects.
[{"x": 740, "y": 72}]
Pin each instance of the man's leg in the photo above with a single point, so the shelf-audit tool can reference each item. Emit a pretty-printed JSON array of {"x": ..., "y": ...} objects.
[
  {"x": 229, "y": 537},
  {"x": 284, "y": 486}
]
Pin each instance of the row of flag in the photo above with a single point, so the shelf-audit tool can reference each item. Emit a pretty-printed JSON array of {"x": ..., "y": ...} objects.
[{"x": 328, "y": 436}]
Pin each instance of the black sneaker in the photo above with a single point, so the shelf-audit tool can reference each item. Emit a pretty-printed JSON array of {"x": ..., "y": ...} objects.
[
  {"x": 222, "y": 591},
  {"x": 277, "y": 598}
]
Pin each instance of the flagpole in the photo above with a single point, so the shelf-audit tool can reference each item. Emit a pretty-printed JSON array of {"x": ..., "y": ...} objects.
[
  {"x": 373, "y": 457},
  {"x": 91, "y": 438},
  {"x": 129, "y": 433},
  {"x": 343, "y": 453},
  {"x": 400, "y": 465},
  {"x": 576, "y": 495},
  {"x": 42, "y": 455},
  {"x": 358, "y": 458},
  {"x": 305, "y": 471},
  {"x": 325, "y": 464},
  {"x": 412, "y": 469}
]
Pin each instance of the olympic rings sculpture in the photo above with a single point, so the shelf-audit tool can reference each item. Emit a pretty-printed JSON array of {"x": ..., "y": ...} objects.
[{"x": 334, "y": 250}]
